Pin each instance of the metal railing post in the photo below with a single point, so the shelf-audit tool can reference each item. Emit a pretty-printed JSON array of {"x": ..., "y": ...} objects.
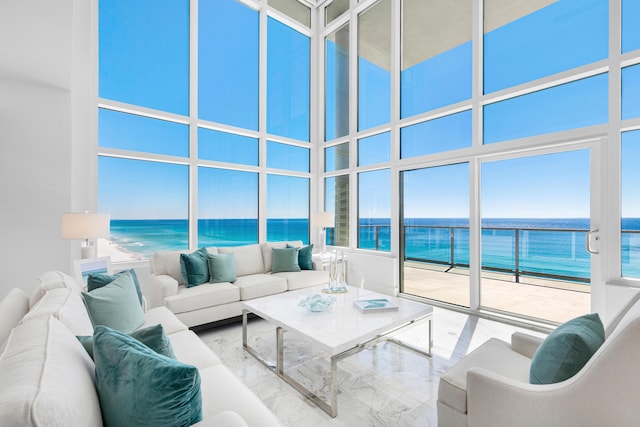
[{"x": 517, "y": 266}]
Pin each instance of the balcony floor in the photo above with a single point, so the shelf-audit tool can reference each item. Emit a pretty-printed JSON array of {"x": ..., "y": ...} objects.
[{"x": 550, "y": 300}]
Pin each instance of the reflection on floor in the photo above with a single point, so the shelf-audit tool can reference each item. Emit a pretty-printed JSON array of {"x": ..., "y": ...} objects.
[
  {"x": 550, "y": 300},
  {"x": 386, "y": 385}
]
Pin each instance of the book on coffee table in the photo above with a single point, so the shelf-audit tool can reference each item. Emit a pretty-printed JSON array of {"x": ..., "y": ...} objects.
[{"x": 375, "y": 305}]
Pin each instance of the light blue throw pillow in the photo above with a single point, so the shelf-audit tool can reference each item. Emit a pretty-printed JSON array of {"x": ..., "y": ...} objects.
[
  {"x": 139, "y": 387},
  {"x": 115, "y": 305},
  {"x": 285, "y": 259},
  {"x": 222, "y": 268},
  {"x": 153, "y": 337},
  {"x": 195, "y": 267},
  {"x": 98, "y": 280},
  {"x": 305, "y": 260},
  {"x": 566, "y": 350}
]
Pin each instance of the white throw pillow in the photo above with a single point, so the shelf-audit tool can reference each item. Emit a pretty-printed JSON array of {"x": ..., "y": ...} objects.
[
  {"x": 52, "y": 280},
  {"x": 67, "y": 306},
  {"x": 13, "y": 307},
  {"x": 47, "y": 378}
]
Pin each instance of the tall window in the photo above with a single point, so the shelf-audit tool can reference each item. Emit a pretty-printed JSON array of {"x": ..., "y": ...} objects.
[
  {"x": 337, "y": 84},
  {"x": 374, "y": 65},
  {"x": 436, "y": 55},
  {"x": 374, "y": 210},
  {"x": 175, "y": 177}
]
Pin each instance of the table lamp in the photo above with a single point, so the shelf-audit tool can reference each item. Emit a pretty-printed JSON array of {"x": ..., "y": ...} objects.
[
  {"x": 323, "y": 220},
  {"x": 85, "y": 226}
]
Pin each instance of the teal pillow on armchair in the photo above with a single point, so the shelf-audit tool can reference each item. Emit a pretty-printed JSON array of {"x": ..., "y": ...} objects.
[
  {"x": 139, "y": 387},
  {"x": 566, "y": 350}
]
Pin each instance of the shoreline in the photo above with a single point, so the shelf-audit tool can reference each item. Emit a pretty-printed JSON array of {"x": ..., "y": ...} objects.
[{"x": 118, "y": 254}]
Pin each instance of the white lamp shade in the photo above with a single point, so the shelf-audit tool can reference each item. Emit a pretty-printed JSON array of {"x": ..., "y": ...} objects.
[
  {"x": 85, "y": 225},
  {"x": 323, "y": 219}
]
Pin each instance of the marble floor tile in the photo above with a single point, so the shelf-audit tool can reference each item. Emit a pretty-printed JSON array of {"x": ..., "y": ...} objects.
[{"x": 383, "y": 385}]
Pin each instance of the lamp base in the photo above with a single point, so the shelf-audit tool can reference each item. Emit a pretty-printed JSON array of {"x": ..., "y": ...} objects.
[{"x": 87, "y": 252}]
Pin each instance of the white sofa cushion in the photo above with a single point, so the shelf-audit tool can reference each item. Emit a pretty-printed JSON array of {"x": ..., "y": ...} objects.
[
  {"x": 248, "y": 259},
  {"x": 222, "y": 391},
  {"x": 52, "y": 280},
  {"x": 304, "y": 278},
  {"x": 162, "y": 315},
  {"x": 13, "y": 307},
  {"x": 494, "y": 355},
  {"x": 47, "y": 378},
  {"x": 224, "y": 418},
  {"x": 67, "y": 306},
  {"x": 259, "y": 285},
  {"x": 189, "y": 348},
  {"x": 202, "y": 296}
]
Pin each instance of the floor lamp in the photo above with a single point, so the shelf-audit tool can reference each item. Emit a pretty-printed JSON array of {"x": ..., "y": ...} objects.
[
  {"x": 85, "y": 226},
  {"x": 323, "y": 220}
]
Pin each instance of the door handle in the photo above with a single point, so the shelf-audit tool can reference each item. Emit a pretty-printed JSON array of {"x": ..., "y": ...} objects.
[{"x": 594, "y": 234}]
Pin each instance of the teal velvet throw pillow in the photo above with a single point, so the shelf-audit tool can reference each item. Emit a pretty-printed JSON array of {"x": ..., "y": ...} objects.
[
  {"x": 285, "y": 259},
  {"x": 305, "y": 260},
  {"x": 222, "y": 267},
  {"x": 153, "y": 337},
  {"x": 195, "y": 267},
  {"x": 139, "y": 387},
  {"x": 566, "y": 350},
  {"x": 98, "y": 280},
  {"x": 115, "y": 305}
]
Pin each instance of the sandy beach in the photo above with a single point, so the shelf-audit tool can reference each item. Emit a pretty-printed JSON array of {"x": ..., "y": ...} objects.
[{"x": 107, "y": 248}]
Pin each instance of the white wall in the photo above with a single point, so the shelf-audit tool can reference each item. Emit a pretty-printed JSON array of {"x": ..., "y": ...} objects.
[{"x": 39, "y": 137}]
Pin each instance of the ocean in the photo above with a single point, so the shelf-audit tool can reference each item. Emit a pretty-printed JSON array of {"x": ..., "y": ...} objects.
[{"x": 540, "y": 251}]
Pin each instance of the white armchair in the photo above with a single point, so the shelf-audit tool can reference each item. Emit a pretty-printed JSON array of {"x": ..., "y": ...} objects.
[{"x": 490, "y": 386}]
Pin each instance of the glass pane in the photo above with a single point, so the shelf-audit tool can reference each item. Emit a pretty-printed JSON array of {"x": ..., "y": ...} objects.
[
  {"x": 335, "y": 9},
  {"x": 228, "y": 89},
  {"x": 144, "y": 53},
  {"x": 527, "y": 40},
  {"x": 374, "y": 65},
  {"x": 568, "y": 106},
  {"x": 534, "y": 229},
  {"x": 436, "y": 55},
  {"x": 630, "y": 221},
  {"x": 227, "y": 147},
  {"x": 336, "y": 200},
  {"x": 435, "y": 136},
  {"x": 374, "y": 210},
  {"x": 337, "y": 84},
  {"x": 287, "y": 208},
  {"x": 149, "y": 207},
  {"x": 374, "y": 149},
  {"x": 293, "y": 9},
  {"x": 137, "y": 133},
  {"x": 435, "y": 221},
  {"x": 284, "y": 156},
  {"x": 288, "y": 81},
  {"x": 631, "y": 92},
  {"x": 227, "y": 207},
  {"x": 336, "y": 157},
  {"x": 630, "y": 33}
]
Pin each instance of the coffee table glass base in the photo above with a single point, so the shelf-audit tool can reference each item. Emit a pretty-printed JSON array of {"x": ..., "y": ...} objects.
[{"x": 330, "y": 408}]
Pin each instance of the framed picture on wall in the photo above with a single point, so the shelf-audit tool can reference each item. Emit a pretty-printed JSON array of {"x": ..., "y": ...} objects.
[{"x": 84, "y": 267}]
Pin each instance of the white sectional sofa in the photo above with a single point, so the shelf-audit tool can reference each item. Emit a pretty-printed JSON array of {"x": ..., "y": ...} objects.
[
  {"x": 48, "y": 379},
  {"x": 212, "y": 302}
]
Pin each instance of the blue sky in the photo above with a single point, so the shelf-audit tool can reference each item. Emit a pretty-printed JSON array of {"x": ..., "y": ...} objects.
[{"x": 144, "y": 48}]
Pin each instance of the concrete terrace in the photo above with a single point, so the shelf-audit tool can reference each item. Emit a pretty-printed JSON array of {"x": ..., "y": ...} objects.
[{"x": 550, "y": 300}]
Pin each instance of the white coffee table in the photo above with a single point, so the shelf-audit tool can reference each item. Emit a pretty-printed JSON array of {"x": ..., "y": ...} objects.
[{"x": 341, "y": 331}]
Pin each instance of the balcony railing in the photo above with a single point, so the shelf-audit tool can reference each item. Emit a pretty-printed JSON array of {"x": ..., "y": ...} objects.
[{"x": 548, "y": 253}]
